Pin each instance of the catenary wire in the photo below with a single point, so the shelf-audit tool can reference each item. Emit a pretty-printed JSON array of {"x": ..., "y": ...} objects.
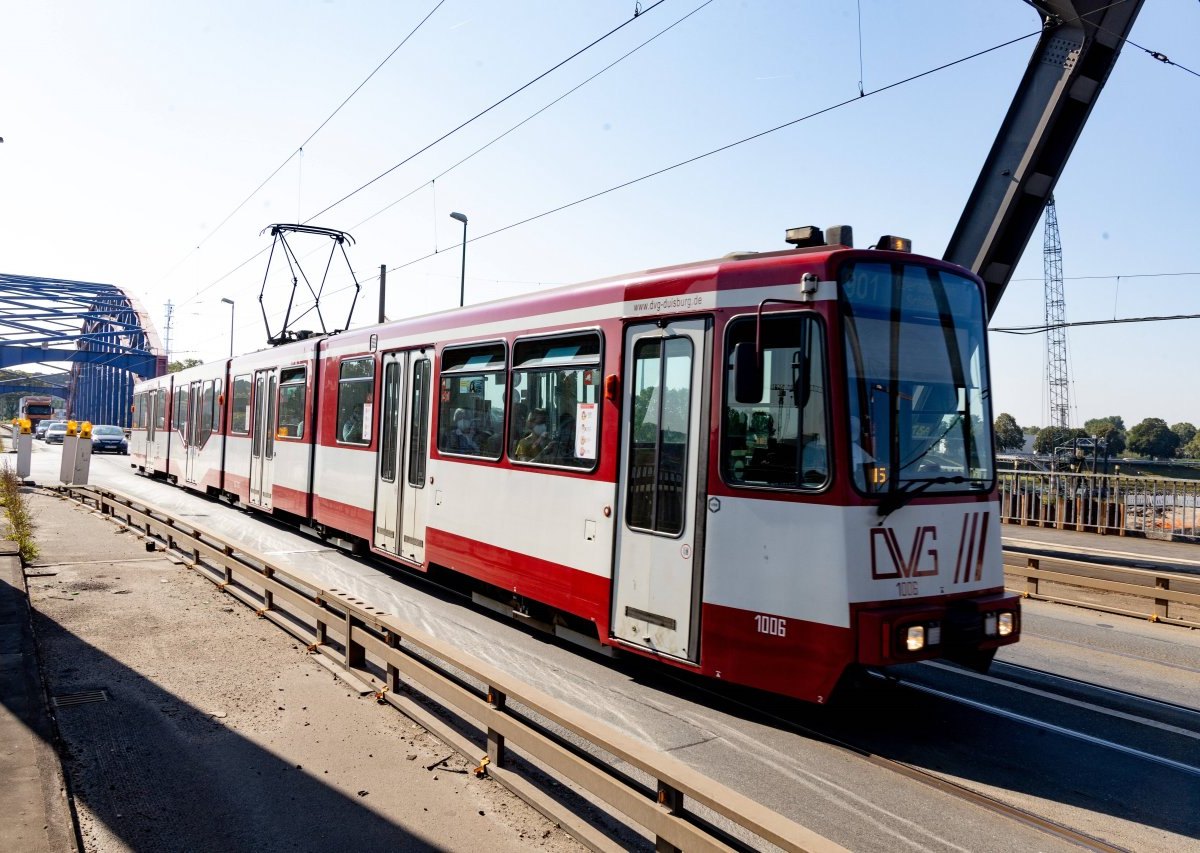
[
  {"x": 300, "y": 149},
  {"x": 441, "y": 138},
  {"x": 726, "y": 147},
  {"x": 1037, "y": 330},
  {"x": 532, "y": 116},
  {"x": 486, "y": 110}
]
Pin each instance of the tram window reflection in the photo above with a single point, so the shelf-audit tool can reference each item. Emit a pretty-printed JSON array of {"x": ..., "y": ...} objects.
[
  {"x": 782, "y": 441},
  {"x": 471, "y": 409},
  {"x": 292, "y": 388},
  {"x": 554, "y": 417},
  {"x": 356, "y": 396}
]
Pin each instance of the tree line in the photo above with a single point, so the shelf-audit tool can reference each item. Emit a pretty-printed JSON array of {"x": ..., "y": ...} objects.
[{"x": 1152, "y": 437}]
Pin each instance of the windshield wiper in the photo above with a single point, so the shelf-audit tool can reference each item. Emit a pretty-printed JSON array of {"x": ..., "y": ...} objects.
[{"x": 901, "y": 495}]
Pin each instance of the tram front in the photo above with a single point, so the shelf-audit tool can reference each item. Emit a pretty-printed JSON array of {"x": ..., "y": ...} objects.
[{"x": 926, "y": 578}]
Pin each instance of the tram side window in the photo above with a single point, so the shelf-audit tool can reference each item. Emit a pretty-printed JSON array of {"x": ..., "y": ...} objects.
[
  {"x": 292, "y": 391},
  {"x": 554, "y": 415},
  {"x": 356, "y": 399},
  {"x": 662, "y": 389},
  {"x": 179, "y": 414},
  {"x": 160, "y": 409},
  {"x": 389, "y": 432},
  {"x": 239, "y": 415},
  {"x": 215, "y": 409},
  {"x": 418, "y": 442},
  {"x": 471, "y": 412},
  {"x": 780, "y": 442},
  {"x": 139, "y": 411},
  {"x": 208, "y": 406}
]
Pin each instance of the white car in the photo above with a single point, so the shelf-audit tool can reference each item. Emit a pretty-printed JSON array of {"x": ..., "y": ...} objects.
[{"x": 56, "y": 432}]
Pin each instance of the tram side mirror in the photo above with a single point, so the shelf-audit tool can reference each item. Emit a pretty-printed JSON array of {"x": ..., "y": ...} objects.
[{"x": 747, "y": 374}]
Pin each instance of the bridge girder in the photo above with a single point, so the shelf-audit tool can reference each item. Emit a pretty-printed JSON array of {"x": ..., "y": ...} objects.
[
  {"x": 114, "y": 342},
  {"x": 1078, "y": 47}
]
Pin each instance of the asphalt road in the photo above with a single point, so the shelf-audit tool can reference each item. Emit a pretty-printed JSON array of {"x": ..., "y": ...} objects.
[{"x": 1076, "y": 757}]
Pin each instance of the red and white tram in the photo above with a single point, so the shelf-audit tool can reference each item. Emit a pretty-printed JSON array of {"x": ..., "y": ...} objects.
[{"x": 767, "y": 468}]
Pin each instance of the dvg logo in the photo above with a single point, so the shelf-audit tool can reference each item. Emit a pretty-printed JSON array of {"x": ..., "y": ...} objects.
[{"x": 888, "y": 561}]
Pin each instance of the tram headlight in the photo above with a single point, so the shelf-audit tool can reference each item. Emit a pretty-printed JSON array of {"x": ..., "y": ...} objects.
[
  {"x": 1006, "y": 624},
  {"x": 914, "y": 638}
]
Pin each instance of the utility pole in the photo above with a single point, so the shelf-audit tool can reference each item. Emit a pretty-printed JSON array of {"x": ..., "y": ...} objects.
[
  {"x": 1057, "y": 379},
  {"x": 167, "y": 339}
]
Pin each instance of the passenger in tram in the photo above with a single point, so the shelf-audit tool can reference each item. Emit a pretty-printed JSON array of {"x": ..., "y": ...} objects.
[
  {"x": 462, "y": 439},
  {"x": 564, "y": 436},
  {"x": 352, "y": 427},
  {"x": 537, "y": 441}
]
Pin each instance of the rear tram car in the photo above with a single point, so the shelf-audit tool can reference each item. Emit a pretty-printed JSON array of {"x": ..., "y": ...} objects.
[{"x": 767, "y": 468}]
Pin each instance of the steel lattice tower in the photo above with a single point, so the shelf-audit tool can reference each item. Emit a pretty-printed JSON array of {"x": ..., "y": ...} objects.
[{"x": 1057, "y": 379}]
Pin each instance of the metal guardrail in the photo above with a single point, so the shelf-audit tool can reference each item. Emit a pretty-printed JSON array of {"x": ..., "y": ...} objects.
[
  {"x": 1102, "y": 503},
  {"x": 1174, "y": 597},
  {"x": 395, "y": 660}
]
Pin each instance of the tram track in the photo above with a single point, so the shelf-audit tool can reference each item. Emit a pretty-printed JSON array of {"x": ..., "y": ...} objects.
[
  {"x": 1120, "y": 654},
  {"x": 1064, "y": 731},
  {"x": 1169, "y": 707},
  {"x": 909, "y": 771}
]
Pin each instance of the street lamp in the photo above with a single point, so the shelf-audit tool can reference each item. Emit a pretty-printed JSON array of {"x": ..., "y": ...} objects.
[
  {"x": 462, "y": 284},
  {"x": 229, "y": 302}
]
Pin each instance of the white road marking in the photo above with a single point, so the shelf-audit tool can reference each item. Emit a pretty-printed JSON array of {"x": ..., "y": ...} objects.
[
  {"x": 1051, "y": 727},
  {"x": 1066, "y": 700}
]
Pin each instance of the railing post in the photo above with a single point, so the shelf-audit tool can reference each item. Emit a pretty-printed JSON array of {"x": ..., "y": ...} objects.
[
  {"x": 670, "y": 800},
  {"x": 1031, "y": 583},
  {"x": 393, "y": 672},
  {"x": 356, "y": 655},
  {"x": 495, "y": 740},
  {"x": 1161, "y": 604},
  {"x": 268, "y": 596}
]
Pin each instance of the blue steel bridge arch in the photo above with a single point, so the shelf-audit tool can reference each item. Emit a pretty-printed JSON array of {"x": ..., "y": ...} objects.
[{"x": 99, "y": 328}]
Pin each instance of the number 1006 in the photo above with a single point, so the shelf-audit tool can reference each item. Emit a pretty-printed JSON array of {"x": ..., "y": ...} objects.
[{"x": 773, "y": 625}]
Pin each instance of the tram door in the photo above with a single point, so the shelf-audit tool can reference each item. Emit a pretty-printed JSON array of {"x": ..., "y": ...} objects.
[
  {"x": 659, "y": 547},
  {"x": 188, "y": 420},
  {"x": 157, "y": 430},
  {"x": 262, "y": 438},
  {"x": 400, "y": 493}
]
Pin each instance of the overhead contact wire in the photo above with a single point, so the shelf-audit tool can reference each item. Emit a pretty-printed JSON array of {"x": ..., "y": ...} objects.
[
  {"x": 730, "y": 145},
  {"x": 299, "y": 151},
  {"x": 486, "y": 110}
]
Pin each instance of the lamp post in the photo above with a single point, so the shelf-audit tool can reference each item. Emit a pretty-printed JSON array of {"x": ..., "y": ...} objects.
[
  {"x": 229, "y": 302},
  {"x": 462, "y": 284}
]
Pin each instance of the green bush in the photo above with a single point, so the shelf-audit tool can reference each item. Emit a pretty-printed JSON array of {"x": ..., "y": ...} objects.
[{"x": 20, "y": 522}]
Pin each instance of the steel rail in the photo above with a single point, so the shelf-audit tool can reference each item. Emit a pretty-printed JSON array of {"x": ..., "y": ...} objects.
[
  {"x": 360, "y": 640},
  {"x": 1148, "y": 584},
  {"x": 1172, "y": 707},
  {"x": 928, "y": 778}
]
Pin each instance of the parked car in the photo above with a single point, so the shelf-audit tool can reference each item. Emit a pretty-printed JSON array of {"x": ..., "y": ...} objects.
[
  {"x": 56, "y": 432},
  {"x": 39, "y": 431},
  {"x": 109, "y": 439}
]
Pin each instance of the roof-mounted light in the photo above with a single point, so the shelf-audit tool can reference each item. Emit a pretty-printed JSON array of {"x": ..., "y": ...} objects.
[
  {"x": 840, "y": 235},
  {"x": 894, "y": 244},
  {"x": 809, "y": 235}
]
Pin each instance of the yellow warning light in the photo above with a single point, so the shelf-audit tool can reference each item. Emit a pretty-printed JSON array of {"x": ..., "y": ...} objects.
[
  {"x": 85, "y": 429},
  {"x": 72, "y": 428},
  {"x": 894, "y": 244},
  {"x": 25, "y": 425}
]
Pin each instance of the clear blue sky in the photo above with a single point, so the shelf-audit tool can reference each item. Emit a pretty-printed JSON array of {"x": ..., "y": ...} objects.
[{"x": 133, "y": 129}]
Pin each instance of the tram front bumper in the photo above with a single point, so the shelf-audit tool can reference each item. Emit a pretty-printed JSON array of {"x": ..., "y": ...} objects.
[{"x": 950, "y": 629}]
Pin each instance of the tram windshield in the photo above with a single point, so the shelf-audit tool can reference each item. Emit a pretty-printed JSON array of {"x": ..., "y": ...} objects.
[{"x": 920, "y": 407}]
